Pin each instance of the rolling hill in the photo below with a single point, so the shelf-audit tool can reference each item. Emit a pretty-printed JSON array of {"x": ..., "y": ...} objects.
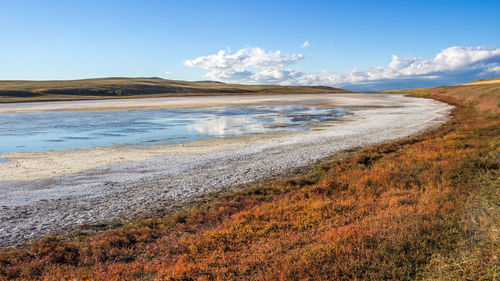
[
  {"x": 482, "y": 94},
  {"x": 103, "y": 88}
]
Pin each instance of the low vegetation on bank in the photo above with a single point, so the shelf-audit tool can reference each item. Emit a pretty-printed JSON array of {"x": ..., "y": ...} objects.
[
  {"x": 425, "y": 207},
  {"x": 25, "y": 91},
  {"x": 482, "y": 95}
]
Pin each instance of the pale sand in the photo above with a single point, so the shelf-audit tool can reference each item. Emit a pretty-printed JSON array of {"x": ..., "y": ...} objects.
[
  {"x": 38, "y": 165},
  {"x": 50, "y": 192},
  {"x": 192, "y": 102}
]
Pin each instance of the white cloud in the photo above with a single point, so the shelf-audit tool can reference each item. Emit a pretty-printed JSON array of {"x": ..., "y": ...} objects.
[
  {"x": 305, "y": 44},
  {"x": 256, "y": 66},
  {"x": 451, "y": 65},
  {"x": 239, "y": 67},
  {"x": 325, "y": 71},
  {"x": 494, "y": 69}
]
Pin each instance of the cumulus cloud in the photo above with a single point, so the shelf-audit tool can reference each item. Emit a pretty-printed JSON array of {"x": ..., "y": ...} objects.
[
  {"x": 256, "y": 66},
  {"x": 325, "y": 71},
  {"x": 239, "y": 67},
  {"x": 305, "y": 44},
  {"x": 451, "y": 65}
]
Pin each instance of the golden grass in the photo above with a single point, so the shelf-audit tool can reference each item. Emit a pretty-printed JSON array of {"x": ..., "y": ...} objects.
[
  {"x": 425, "y": 207},
  {"x": 24, "y": 91},
  {"x": 484, "y": 82},
  {"x": 482, "y": 95}
]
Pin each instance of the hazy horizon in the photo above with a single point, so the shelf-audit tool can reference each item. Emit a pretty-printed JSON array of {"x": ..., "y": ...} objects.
[{"x": 360, "y": 45}]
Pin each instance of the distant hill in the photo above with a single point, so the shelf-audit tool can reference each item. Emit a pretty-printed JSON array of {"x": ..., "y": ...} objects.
[
  {"x": 484, "y": 82},
  {"x": 18, "y": 90},
  {"x": 210, "y": 81},
  {"x": 482, "y": 94}
]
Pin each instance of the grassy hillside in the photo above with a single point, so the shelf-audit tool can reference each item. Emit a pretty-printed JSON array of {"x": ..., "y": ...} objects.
[
  {"x": 425, "y": 207},
  {"x": 482, "y": 94},
  {"x": 484, "y": 81},
  {"x": 16, "y": 91}
]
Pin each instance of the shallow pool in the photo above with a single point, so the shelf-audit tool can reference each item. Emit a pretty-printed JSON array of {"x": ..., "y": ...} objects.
[{"x": 28, "y": 132}]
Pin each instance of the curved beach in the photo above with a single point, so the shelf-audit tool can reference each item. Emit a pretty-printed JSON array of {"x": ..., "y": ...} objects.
[{"x": 99, "y": 185}]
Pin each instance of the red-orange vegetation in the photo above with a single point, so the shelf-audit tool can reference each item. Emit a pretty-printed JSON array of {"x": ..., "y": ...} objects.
[{"x": 394, "y": 211}]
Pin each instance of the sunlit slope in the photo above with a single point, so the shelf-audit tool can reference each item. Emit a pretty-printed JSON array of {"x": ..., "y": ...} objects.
[
  {"x": 484, "y": 82},
  {"x": 136, "y": 87},
  {"x": 482, "y": 94}
]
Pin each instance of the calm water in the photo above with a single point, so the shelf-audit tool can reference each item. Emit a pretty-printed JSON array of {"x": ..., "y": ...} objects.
[{"x": 63, "y": 130}]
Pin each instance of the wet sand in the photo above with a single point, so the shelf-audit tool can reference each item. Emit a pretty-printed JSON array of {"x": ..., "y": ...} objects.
[{"x": 47, "y": 192}]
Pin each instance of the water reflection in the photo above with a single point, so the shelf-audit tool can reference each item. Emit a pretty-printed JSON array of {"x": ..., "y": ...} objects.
[
  {"x": 225, "y": 125},
  {"x": 63, "y": 130}
]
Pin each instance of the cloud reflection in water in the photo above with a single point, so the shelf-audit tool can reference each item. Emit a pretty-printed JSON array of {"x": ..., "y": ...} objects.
[{"x": 227, "y": 125}]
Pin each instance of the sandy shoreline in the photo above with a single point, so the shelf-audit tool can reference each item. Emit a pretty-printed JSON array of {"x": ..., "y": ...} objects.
[
  {"x": 25, "y": 166},
  {"x": 191, "y": 102},
  {"x": 103, "y": 184},
  {"x": 38, "y": 165}
]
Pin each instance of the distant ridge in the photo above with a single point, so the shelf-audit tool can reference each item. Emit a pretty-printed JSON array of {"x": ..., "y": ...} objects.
[
  {"x": 210, "y": 81},
  {"x": 482, "y": 94},
  {"x": 120, "y": 87},
  {"x": 484, "y": 82}
]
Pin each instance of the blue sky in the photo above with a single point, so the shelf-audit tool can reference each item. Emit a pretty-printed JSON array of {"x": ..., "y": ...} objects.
[{"x": 182, "y": 40}]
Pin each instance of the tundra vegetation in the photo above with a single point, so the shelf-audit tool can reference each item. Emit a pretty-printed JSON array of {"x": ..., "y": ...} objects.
[
  {"x": 112, "y": 88},
  {"x": 425, "y": 207}
]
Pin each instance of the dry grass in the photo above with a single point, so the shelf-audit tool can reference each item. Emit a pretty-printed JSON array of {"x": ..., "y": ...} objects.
[
  {"x": 426, "y": 207},
  {"x": 483, "y": 95},
  {"x": 23, "y": 91},
  {"x": 484, "y": 81}
]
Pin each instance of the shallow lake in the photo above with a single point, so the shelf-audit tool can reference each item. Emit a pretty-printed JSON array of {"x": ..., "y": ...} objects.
[{"x": 28, "y": 132}]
